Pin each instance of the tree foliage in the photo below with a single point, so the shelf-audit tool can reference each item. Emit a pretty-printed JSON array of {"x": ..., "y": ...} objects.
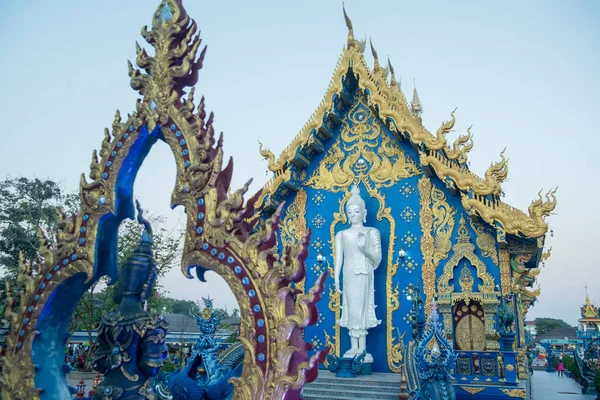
[
  {"x": 27, "y": 206},
  {"x": 545, "y": 325}
]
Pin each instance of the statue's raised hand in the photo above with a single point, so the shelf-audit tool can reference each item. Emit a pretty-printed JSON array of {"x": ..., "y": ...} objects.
[{"x": 361, "y": 240}]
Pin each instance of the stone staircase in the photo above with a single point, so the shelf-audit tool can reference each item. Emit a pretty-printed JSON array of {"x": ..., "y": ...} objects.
[{"x": 378, "y": 386}]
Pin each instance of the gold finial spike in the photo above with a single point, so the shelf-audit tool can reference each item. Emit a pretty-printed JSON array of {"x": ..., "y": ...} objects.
[
  {"x": 416, "y": 105},
  {"x": 351, "y": 41},
  {"x": 587, "y": 297},
  {"x": 375, "y": 57},
  {"x": 393, "y": 81}
]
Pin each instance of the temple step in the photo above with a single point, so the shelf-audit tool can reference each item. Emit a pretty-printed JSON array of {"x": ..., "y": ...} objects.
[{"x": 376, "y": 386}]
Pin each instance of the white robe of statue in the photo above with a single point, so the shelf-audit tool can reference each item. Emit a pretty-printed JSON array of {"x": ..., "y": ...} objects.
[{"x": 357, "y": 256}]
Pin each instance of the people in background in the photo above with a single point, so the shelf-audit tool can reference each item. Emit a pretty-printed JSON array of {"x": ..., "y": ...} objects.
[{"x": 560, "y": 368}]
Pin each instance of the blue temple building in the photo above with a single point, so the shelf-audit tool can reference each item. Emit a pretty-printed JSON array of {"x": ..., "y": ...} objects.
[{"x": 443, "y": 228}]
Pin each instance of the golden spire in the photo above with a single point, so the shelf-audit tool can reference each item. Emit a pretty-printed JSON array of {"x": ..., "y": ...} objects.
[
  {"x": 351, "y": 41},
  {"x": 590, "y": 311},
  {"x": 376, "y": 66},
  {"x": 416, "y": 106},
  {"x": 587, "y": 298}
]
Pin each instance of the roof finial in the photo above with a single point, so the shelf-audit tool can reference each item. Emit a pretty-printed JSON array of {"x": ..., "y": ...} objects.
[
  {"x": 587, "y": 298},
  {"x": 393, "y": 81},
  {"x": 351, "y": 41},
  {"x": 417, "y": 107},
  {"x": 375, "y": 57}
]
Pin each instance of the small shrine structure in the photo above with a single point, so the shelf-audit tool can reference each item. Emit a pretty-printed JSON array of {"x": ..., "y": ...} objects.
[{"x": 588, "y": 330}]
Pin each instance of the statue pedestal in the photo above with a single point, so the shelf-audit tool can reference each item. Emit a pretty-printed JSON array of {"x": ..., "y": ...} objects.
[
  {"x": 506, "y": 341},
  {"x": 348, "y": 367},
  {"x": 346, "y": 370}
]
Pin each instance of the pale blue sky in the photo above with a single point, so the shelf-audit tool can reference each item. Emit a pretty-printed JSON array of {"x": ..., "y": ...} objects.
[{"x": 524, "y": 74}]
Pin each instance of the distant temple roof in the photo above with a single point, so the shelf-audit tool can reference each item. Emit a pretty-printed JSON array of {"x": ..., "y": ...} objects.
[
  {"x": 233, "y": 320},
  {"x": 479, "y": 195},
  {"x": 181, "y": 323},
  {"x": 560, "y": 333}
]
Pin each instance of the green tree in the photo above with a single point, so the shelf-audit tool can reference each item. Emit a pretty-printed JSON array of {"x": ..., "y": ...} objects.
[
  {"x": 232, "y": 338},
  {"x": 182, "y": 306},
  {"x": 545, "y": 325},
  {"x": 26, "y": 207}
]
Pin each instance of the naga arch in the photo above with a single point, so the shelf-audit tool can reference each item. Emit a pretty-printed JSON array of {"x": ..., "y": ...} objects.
[{"x": 220, "y": 235}]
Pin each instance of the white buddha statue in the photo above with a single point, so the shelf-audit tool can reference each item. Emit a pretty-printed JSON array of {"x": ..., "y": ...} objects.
[{"x": 357, "y": 255}]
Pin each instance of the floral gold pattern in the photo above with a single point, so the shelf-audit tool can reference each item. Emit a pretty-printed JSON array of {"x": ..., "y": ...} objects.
[
  {"x": 505, "y": 274},
  {"x": 293, "y": 226},
  {"x": 427, "y": 241},
  {"x": 485, "y": 241},
  {"x": 362, "y": 151},
  {"x": 443, "y": 225},
  {"x": 464, "y": 249},
  {"x": 407, "y": 190},
  {"x": 318, "y": 221},
  {"x": 408, "y": 214},
  {"x": 409, "y": 239},
  {"x": 516, "y": 393},
  {"x": 472, "y": 390}
]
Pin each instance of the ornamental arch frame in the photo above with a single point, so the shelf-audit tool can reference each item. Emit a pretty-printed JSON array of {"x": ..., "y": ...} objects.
[{"x": 219, "y": 234}]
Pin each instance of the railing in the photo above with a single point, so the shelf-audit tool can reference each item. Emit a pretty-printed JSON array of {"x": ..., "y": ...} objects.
[
  {"x": 172, "y": 337},
  {"x": 484, "y": 366}
]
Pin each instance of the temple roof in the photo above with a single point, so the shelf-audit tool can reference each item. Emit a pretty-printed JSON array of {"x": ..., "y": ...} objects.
[
  {"x": 479, "y": 195},
  {"x": 560, "y": 333},
  {"x": 588, "y": 310}
]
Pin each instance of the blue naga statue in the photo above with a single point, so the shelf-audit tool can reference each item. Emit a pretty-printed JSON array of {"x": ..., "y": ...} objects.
[
  {"x": 434, "y": 358},
  {"x": 206, "y": 376},
  {"x": 131, "y": 341}
]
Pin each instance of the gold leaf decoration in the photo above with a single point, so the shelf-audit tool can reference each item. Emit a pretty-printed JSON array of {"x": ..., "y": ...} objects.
[
  {"x": 485, "y": 241},
  {"x": 293, "y": 225},
  {"x": 363, "y": 151},
  {"x": 443, "y": 225},
  {"x": 516, "y": 393},
  {"x": 472, "y": 390},
  {"x": 464, "y": 249},
  {"x": 427, "y": 241}
]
